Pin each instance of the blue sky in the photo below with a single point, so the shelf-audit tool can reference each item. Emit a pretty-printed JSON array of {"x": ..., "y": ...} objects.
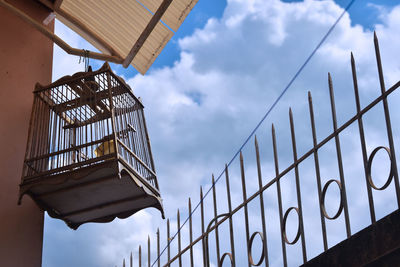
[
  {"x": 212, "y": 84},
  {"x": 362, "y": 12},
  {"x": 199, "y": 16}
]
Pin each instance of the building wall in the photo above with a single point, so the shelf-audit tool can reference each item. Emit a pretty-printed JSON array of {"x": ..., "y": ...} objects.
[{"x": 26, "y": 58}]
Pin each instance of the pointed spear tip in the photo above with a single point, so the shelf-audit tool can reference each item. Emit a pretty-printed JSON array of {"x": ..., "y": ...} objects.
[
  {"x": 376, "y": 42},
  {"x": 256, "y": 143},
  {"x": 309, "y": 95},
  {"x": 273, "y": 128},
  {"x": 290, "y": 114},
  {"x": 329, "y": 79}
]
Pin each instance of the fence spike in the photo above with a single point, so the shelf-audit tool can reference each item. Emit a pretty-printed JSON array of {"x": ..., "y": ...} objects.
[
  {"x": 168, "y": 241},
  {"x": 362, "y": 139},
  {"x": 158, "y": 247},
  {"x": 263, "y": 224},
  {"x": 317, "y": 170},
  {"x": 215, "y": 217},
  {"x": 190, "y": 231},
  {"x": 246, "y": 213},
  {"x": 205, "y": 259},
  {"x": 339, "y": 156},
  {"x": 178, "y": 217},
  {"x": 298, "y": 190},
  {"x": 131, "y": 260},
  {"x": 231, "y": 234},
  {"x": 387, "y": 119},
  {"x": 278, "y": 189},
  {"x": 148, "y": 251},
  {"x": 140, "y": 256}
]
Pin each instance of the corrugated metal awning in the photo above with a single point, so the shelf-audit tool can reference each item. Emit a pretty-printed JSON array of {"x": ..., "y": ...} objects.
[{"x": 135, "y": 31}]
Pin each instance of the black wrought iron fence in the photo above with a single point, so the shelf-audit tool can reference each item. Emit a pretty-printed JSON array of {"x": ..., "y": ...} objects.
[{"x": 162, "y": 257}]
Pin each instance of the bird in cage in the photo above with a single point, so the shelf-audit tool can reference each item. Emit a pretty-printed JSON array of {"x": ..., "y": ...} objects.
[{"x": 88, "y": 155}]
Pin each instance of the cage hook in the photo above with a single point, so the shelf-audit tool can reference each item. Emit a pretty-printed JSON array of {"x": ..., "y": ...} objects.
[{"x": 85, "y": 59}]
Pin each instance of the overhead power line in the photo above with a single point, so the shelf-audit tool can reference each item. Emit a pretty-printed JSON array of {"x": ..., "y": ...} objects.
[{"x": 261, "y": 121}]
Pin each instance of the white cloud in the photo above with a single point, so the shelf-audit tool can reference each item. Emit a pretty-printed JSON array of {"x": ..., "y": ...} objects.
[{"x": 201, "y": 109}]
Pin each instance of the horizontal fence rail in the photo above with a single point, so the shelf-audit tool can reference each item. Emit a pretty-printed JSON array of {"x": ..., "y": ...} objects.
[{"x": 208, "y": 243}]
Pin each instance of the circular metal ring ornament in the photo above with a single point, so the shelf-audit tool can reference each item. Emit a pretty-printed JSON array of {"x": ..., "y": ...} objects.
[
  {"x": 249, "y": 249},
  {"x": 339, "y": 211},
  {"x": 390, "y": 177},
  {"x": 284, "y": 226},
  {"x": 221, "y": 261}
]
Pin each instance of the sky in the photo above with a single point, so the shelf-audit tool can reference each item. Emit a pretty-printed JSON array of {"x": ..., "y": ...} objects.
[{"x": 207, "y": 91}]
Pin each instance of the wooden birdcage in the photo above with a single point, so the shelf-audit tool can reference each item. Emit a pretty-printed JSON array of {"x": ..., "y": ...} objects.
[{"x": 88, "y": 156}]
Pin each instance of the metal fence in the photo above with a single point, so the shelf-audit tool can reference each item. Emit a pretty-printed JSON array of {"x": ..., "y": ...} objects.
[{"x": 227, "y": 252}]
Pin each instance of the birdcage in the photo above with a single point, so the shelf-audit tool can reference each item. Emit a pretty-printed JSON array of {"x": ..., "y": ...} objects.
[{"x": 88, "y": 156}]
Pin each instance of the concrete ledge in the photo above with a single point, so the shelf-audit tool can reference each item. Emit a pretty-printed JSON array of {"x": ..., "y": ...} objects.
[{"x": 376, "y": 245}]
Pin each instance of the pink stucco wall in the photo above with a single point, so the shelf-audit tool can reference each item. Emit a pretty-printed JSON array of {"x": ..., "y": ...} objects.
[{"x": 25, "y": 58}]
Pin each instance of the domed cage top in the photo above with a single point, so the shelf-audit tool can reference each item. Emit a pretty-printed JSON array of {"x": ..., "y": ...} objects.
[{"x": 88, "y": 156}]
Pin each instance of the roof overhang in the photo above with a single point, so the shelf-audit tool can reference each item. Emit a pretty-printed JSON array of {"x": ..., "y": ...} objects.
[{"x": 125, "y": 31}]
